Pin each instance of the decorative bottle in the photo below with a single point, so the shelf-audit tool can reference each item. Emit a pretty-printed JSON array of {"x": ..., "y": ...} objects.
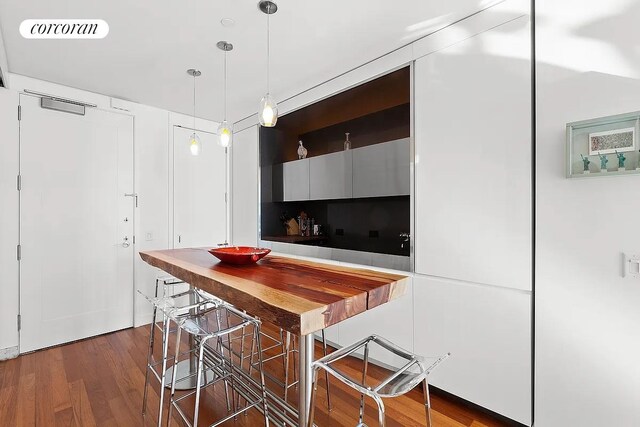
[
  {"x": 347, "y": 143},
  {"x": 302, "y": 152}
]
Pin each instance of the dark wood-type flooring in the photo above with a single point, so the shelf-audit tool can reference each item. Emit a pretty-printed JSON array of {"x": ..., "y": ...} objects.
[{"x": 99, "y": 382}]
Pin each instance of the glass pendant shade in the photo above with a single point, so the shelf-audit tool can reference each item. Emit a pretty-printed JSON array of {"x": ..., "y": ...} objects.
[
  {"x": 194, "y": 144},
  {"x": 225, "y": 134},
  {"x": 268, "y": 112}
]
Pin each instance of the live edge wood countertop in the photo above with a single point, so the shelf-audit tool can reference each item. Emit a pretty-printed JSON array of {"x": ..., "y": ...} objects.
[{"x": 299, "y": 296}]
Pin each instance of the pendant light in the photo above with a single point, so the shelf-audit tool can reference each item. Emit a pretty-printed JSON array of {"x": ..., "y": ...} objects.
[
  {"x": 268, "y": 112},
  {"x": 194, "y": 140},
  {"x": 225, "y": 133}
]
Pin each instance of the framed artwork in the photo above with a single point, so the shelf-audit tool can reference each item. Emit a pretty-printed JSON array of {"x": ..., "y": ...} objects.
[
  {"x": 603, "y": 146},
  {"x": 611, "y": 141}
]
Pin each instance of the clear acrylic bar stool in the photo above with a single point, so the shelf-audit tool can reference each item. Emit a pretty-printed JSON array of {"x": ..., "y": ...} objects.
[
  {"x": 288, "y": 346},
  {"x": 210, "y": 332},
  {"x": 172, "y": 308},
  {"x": 399, "y": 382}
]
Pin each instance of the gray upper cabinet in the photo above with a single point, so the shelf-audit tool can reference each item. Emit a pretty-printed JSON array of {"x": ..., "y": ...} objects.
[
  {"x": 295, "y": 176},
  {"x": 382, "y": 169},
  {"x": 330, "y": 176},
  {"x": 378, "y": 170}
]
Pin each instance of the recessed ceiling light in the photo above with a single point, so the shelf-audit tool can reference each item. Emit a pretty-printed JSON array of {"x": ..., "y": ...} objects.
[{"x": 227, "y": 22}]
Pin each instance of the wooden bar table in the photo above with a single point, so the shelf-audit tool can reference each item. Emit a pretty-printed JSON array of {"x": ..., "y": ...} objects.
[{"x": 299, "y": 296}]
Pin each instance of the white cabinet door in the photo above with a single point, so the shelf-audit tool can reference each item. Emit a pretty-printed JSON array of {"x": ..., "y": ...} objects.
[
  {"x": 473, "y": 160},
  {"x": 488, "y": 332},
  {"x": 295, "y": 176},
  {"x": 393, "y": 321},
  {"x": 382, "y": 169},
  {"x": 330, "y": 176},
  {"x": 199, "y": 187},
  {"x": 244, "y": 188},
  {"x": 76, "y": 224}
]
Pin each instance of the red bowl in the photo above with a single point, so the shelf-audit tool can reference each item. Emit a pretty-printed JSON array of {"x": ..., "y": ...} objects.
[{"x": 239, "y": 254}]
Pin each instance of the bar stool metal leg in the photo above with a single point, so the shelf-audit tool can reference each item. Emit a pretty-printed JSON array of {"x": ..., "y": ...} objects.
[
  {"x": 427, "y": 401},
  {"x": 381, "y": 418},
  {"x": 365, "y": 365},
  {"x": 150, "y": 352},
  {"x": 165, "y": 350},
  {"x": 173, "y": 379},
  {"x": 262, "y": 382},
  {"x": 326, "y": 374},
  {"x": 314, "y": 392},
  {"x": 198, "y": 384}
]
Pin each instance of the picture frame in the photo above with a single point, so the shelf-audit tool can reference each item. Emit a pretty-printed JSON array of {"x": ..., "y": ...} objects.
[
  {"x": 612, "y": 141},
  {"x": 616, "y": 133}
]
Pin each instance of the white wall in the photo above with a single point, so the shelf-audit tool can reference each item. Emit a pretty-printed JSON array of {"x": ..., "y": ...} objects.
[
  {"x": 587, "y": 315},
  {"x": 8, "y": 222}
]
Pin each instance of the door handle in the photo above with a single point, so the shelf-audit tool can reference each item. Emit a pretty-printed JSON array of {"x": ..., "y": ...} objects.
[
  {"x": 125, "y": 243},
  {"x": 134, "y": 195}
]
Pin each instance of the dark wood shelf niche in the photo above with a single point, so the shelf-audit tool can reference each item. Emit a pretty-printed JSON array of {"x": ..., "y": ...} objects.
[{"x": 374, "y": 112}]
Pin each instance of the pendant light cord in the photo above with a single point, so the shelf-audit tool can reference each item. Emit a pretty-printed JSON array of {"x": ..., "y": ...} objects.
[
  {"x": 268, "y": 46},
  {"x": 225, "y": 83},
  {"x": 195, "y": 17},
  {"x": 194, "y": 101}
]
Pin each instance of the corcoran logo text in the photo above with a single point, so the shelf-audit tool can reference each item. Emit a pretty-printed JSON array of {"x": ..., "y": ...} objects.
[{"x": 64, "y": 29}]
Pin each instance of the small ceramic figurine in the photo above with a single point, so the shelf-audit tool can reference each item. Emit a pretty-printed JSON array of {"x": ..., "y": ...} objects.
[
  {"x": 621, "y": 159},
  {"x": 302, "y": 152},
  {"x": 585, "y": 163},
  {"x": 603, "y": 162}
]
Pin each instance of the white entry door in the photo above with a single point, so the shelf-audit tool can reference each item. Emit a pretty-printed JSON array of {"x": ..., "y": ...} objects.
[
  {"x": 76, "y": 225},
  {"x": 199, "y": 188}
]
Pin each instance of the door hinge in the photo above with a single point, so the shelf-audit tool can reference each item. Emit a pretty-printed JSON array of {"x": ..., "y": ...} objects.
[
  {"x": 179, "y": 239},
  {"x": 19, "y": 322},
  {"x": 19, "y": 252},
  {"x": 19, "y": 182},
  {"x": 19, "y": 112}
]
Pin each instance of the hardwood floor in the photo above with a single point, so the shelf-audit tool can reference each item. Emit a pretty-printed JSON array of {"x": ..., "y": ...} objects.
[{"x": 99, "y": 382}]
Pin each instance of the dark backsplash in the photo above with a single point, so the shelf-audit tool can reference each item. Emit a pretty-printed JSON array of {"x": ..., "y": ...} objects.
[{"x": 370, "y": 224}]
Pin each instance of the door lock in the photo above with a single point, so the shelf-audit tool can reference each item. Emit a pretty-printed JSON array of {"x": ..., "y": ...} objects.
[{"x": 125, "y": 243}]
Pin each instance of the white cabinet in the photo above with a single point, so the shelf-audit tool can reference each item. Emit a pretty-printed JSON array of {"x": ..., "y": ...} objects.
[
  {"x": 244, "y": 188},
  {"x": 473, "y": 160},
  {"x": 382, "y": 169},
  {"x": 393, "y": 321},
  {"x": 487, "y": 330},
  {"x": 295, "y": 177},
  {"x": 330, "y": 176}
]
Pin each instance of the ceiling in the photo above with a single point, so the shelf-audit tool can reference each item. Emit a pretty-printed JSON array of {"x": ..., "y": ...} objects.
[{"x": 151, "y": 44}]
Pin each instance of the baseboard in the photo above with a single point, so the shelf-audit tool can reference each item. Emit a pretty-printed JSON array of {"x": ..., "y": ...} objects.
[
  {"x": 9, "y": 353},
  {"x": 143, "y": 319},
  {"x": 508, "y": 422}
]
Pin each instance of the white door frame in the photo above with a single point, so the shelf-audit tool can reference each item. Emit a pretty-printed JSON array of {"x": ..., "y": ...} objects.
[
  {"x": 133, "y": 219},
  {"x": 199, "y": 125}
]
